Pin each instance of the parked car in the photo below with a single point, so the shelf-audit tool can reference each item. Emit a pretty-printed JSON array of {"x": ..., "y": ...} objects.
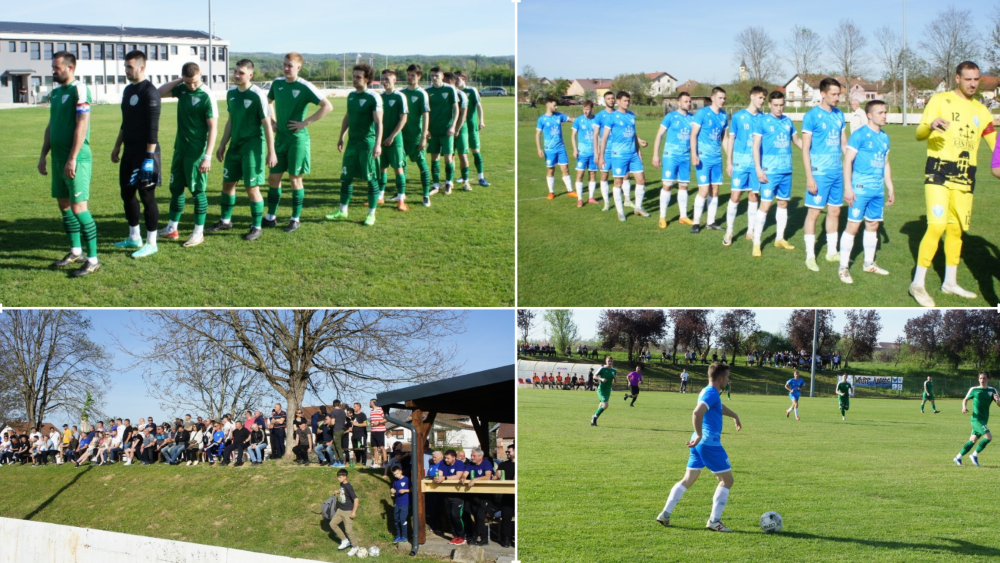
[
  {"x": 493, "y": 91},
  {"x": 569, "y": 101}
]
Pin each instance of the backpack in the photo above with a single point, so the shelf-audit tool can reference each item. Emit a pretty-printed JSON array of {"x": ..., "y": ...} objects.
[{"x": 329, "y": 507}]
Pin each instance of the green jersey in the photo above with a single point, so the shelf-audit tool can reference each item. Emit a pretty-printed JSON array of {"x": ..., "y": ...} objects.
[
  {"x": 981, "y": 399},
  {"x": 247, "y": 110},
  {"x": 845, "y": 388},
  {"x": 417, "y": 105},
  {"x": 361, "y": 110},
  {"x": 472, "y": 118},
  {"x": 929, "y": 387},
  {"x": 609, "y": 377},
  {"x": 290, "y": 101},
  {"x": 194, "y": 109},
  {"x": 393, "y": 109},
  {"x": 463, "y": 103},
  {"x": 66, "y": 102},
  {"x": 442, "y": 108}
]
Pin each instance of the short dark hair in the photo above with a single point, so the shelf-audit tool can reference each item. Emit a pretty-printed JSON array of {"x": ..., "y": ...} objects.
[
  {"x": 825, "y": 84},
  {"x": 415, "y": 68},
  {"x": 190, "y": 70},
  {"x": 323, "y": 407},
  {"x": 461, "y": 74},
  {"x": 245, "y": 63},
  {"x": 336, "y": 403},
  {"x": 588, "y": 104},
  {"x": 551, "y": 98},
  {"x": 342, "y": 473},
  {"x": 776, "y": 95},
  {"x": 984, "y": 372},
  {"x": 758, "y": 90},
  {"x": 449, "y": 76},
  {"x": 717, "y": 370},
  {"x": 66, "y": 57},
  {"x": 451, "y": 453},
  {"x": 397, "y": 468},
  {"x": 435, "y": 68},
  {"x": 622, "y": 94},
  {"x": 683, "y": 95},
  {"x": 717, "y": 90},
  {"x": 366, "y": 69},
  {"x": 606, "y": 92},
  {"x": 135, "y": 54},
  {"x": 870, "y": 105},
  {"x": 388, "y": 71},
  {"x": 958, "y": 71}
]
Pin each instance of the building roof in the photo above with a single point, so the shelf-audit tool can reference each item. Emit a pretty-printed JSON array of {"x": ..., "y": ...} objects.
[
  {"x": 109, "y": 30},
  {"x": 655, "y": 75},
  {"x": 506, "y": 431},
  {"x": 688, "y": 86},
  {"x": 593, "y": 83},
  {"x": 488, "y": 394},
  {"x": 27, "y": 427},
  {"x": 987, "y": 82}
]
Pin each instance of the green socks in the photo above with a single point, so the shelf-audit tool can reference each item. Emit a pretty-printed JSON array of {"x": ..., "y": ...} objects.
[
  {"x": 346, "y": 192},
  {"x": 200, "y": 208},
  {"x": 599, "y": 411},
  {"x": 177, "y": 201},
  {"x": 425, "y": 178},
  {"x": 273, "y": 199},
  {"x": 88, "y": 232},
  {"x": 298, "y": 196},
  {"x": 383, "y": 179},
  {"x": 256, "y": 212},
  {"x": 842, "y": 412},
  {"x": 228, "y": 202},
  {"x": 400, "y": 184},
  {"x": 465, "y": 172},
  {"x": 982, "y": 445},
  {"x": 372, "y": 196},
  {"x": 966, "y": 448},
  {"x": 449, "y": 171},
  {"x": 436, "y": 171},
  {"x": 72, "y": 227},
  {"x": 478, "y": 158}
]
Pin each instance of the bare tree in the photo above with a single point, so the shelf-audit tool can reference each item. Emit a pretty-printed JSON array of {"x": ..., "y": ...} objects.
[
  {"x": 755, "y": 47},
  {"x": 803, "y": 47},
  {"x": 950, "y": 38},
  {"x": 861, "y": 333},
  {"x": 890, "y": 55},
  {"x": 525, "y": 321},
  {"x": 51, "y": 362},
  {"x": 992, "y": 51},
  {"x": 296, "y": 351},
  {"x": 846, "y": 46},
  {"x": 693, "y": 329}
]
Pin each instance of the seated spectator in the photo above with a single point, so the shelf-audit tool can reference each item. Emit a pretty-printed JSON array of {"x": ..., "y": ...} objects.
[
  {"x": 217, "y": 443},
  {"x": 23, "y": 450},
  {"x": 180, "y": 444},
  {"x": 196, "y": 443},
  {"x": 324, "y": 441},
  {"x": 6, "y": 450},
  {"x": 115, "y": 449},
  {"x": 147, "y": 449},
  {"x": 88, "y": 447},
  {"x": 258, "y": 443},
  {"x": 303, "y": 443},
  {"x": 240, "y": 441}
]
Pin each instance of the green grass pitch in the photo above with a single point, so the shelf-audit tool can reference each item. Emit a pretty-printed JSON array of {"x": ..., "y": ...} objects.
[
  {"x": 878, "y": 487},
  {"x": 460, "y": 251},
  {"x": 583, "y": 257}
]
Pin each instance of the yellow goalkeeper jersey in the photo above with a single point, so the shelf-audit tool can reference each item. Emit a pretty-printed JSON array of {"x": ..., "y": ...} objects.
[{"x": 952, "y": 154}]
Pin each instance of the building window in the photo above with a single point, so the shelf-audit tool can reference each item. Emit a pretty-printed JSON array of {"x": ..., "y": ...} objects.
[
  {"x": 397, "y": 433},
  {"x": 223, "y": 52},
  {"x": 60, "y": 47},
  {"x": 194, "y": 50},
  {"x": 88, "y": 80},
  {"x": 204, "y": 53},
  {"x": 36, "y": 81},
  {"x": 120, "y": 52},
  {"x": 110, "y": 79},
  {"x": 35, "y": 52},
  {"x": 12, "y": 46},
  {"x": 154, "y": 52},
  {"x": 99, "y": 52},
  {"x": 99, "y": 80},
  {"x": 173, "y": 49},
  {"x": 75, "y": 49},
  {"x": 174, "y": 77},
  {"x": 3, "y": 80},
  {"x": 121, "y": 79},
  {"x": 24, "y": 46},
  {"x": 47, "y": 51},
  {"x": 164, "y": 50},
  {"x": 85, "y": 51},
  {"x": 48, "y": 82}
]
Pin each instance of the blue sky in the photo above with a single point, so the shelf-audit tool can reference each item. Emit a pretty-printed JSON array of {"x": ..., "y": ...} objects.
[
  {"x": 769, "y": 319},
  {"x": 571, "y": 39},
  {"x": 394, "y": 27},
  {"x": 487, "y": 343}
]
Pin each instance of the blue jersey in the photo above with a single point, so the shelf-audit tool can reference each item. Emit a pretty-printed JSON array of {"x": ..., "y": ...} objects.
[
  {"x": 677, "y": 142},
  {"x": 584, "y": 127},
  {"x": 622, "y": 136},
  {"x": 600, "y": 123},
  {"x": 742, "y": 130},
  {"x": 400, "y": 484},
  {"x": 775, "y": 143},
  {"x": 551, "y": 128},
  {"x": 711, "y": 423},
  {"x": 453, "y": 469},
  {"x": 869, "y": 164},
  {"x": 218, "y": 436},
  {"x": 713, "y": 128},
  {"x": 825, "y": 128},
  {"x": 796, "y": 384}
]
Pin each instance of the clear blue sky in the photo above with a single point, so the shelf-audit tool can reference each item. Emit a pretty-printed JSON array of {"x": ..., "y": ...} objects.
[
  {"x": 572, "y": 39},
  {"x": 393, "y": 27},
  {"x": 487, "y": 343},
  {"x": 769, "y": 319}
]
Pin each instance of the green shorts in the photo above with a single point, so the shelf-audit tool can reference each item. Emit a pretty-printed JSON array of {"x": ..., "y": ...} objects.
[
  {"x": 445, "y": 144},
  {"x": 358, "y": 161},
  {"x": 293, "y": 156},
  {"x": 411, "y": 147},
  {"x": 76, "y": 189},
  {"x": 462, "y": 141},
  {"x": 473, "y": 136},
  {"x": 184, "y": 173},
  {"x": 603, "y": 396},
  {"x": 245, "y": 163},
  {"x": 928, "y": 396},
  {"x": 393, "y": 155},
  {"x": 845, "y": 403},
  {"x": 979, "y": 428}
]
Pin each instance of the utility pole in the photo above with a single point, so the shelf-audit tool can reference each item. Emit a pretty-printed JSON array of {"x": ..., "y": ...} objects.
[
  {"x": 812, "y": 360},
  {"x": 904, "y": 62},
  {"x": 211, "y": 55}
]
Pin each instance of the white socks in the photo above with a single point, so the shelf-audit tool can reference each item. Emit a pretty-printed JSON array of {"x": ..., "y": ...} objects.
[
  {"x": 133, "y": 232},
  {"x": 618, "y": 201},
  {"x": 731, "y": 216},
  {"x": 810, "y": 246},
  {"x": 568, "y": 183},
  {"x": 921, "y": 273},
  {"x": 831, "y": 244},
  {"x": 758, "y": 226},
  {"x": 751, "y": 212},
  {"x": 675, "y": 496},
  {"x": 551, "y": 181},
  {"x": 951, "y": 275},
  {"x": 270, "y": 217},
  {"x": 76, "y": 250},
  {"x": 846, "y": 244},
  {"x": 665, "y": 202},
  {"x": 151, "y": 237},
  {"x": 719, "y": 500},
  {"x": 781, "y": 217},
  {"x": 171, "y": 226},
  {"x": 699, "y": 203},
  {"x": 870, "y": 244},
  {"x": 682, "y": 201},
  {"x": 627, "y": 187},
  {"x": 713, "y": 209},
  {"x": 604, "y": 191},
  {"x": 796, "y": 409},
  {"x": 579, "y": 190},
  {"x": 640, "y": 192},
  {"x": 590, "y": 188},
  {"x": 198, "y": 230}
]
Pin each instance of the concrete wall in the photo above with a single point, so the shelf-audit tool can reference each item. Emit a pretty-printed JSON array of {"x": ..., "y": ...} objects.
[{"x": 23, "y": 541}]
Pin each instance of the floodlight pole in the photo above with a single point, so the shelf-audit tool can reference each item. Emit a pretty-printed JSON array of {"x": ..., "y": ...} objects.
[
  {"x": 211, "y": 77},
  {"x": 904, "y": 62},
  {"x": 812, "y": 360}
]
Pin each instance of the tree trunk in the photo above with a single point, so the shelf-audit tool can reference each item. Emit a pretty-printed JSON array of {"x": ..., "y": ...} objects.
[{"x": 294, "y": 399}]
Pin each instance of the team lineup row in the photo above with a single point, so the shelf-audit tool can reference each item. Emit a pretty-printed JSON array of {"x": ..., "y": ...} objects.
[
  {"x": 379, "y": 131},
  {"x": 758, "y": 158}
]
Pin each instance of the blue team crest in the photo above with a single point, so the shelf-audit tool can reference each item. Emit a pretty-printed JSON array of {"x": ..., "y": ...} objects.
[
  {"x": 817, "y": 198},
  {"x": 856, "y": 212},
  {"x": 767, "y": 193},
  {"x": 736, "y": 182},
  {"x": 938, "y": 211},
  {"x": 975, "y": 120}
]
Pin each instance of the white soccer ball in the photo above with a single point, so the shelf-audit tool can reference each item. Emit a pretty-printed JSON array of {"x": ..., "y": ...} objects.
[
  {"x": 374, "y": 551},
  {"x": 362, "y": 553},
  {"x": 770, "y": 522}
]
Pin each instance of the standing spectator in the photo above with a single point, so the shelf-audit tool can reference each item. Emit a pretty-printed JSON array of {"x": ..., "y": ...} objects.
[
  {"x": 505, "y": 471},
  {"x": 317, "y": 417},
  {"x": 339, "y": 428},
  {"x": 188, "y": 423},
  {"x": 258, "y": 442},
  {"x": 684, "y": 380},
  {"x": 345, "y": 440},
  {"x": 433, "y": 500},
  {"x": 480, "y": 469},
  {"x": 377, "y": 419},
  {"x": 248, "y": 420},
  {"x": 453, "y": 470},
  {"x": 303, "y": 443},
  {"x": 359, "y": 435},
  {"x": 634, "y": 379},
  {"x": 590, "y": 380},
  {"x": 240, "y": 440},
  {"x": 401, "y": 495},
  {"x": 346, "y": 511},
  {"x": 858, "y": 116},
  {"x": 277, "y": 426},
  {"x": 22, "y": 93}
]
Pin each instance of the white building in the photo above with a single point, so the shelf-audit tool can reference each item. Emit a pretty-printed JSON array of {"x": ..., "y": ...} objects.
[
  {"x": 448, "y": 432},
  {"x": 662, "y": 83},
  {"x": 26, "y": 51}
]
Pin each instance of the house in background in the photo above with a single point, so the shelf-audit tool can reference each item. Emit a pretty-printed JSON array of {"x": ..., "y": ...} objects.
[
  {"x": 662, "y": 83},
  {"x": 580, "y": 87},
  {"x": 688, "y": 86}
]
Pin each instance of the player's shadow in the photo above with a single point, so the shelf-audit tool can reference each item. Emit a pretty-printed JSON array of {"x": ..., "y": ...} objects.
[
  {"x": 858, "y": 251},
  {"x": 35, "y": 241},
  {"x": 941, "y": 546},
  {"x": 981, "y": 256}
]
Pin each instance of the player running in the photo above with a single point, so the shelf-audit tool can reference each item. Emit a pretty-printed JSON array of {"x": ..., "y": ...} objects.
[
  {"x": 415, "y": 131},
  {"x": 442, "y": 100},
  {"x": 773, "y": 137},
  {"x": 394, "y": 117},
  {"x": 461, "y": 130},
  {"x": 794, "y": 386},
  {"x": 707, "y": 132},
  {"x": 676, "y": 157},
  {"x": 68, "y": 137},
  {"x": 290, "y": 95},
  {"x": 824, "y": 138},
  {"x": 549, "y": 128},
  {"x": 706, "y": 450},
  {"x": 582, "y": 138},
  {"x": 740, "y": 163},
  {"x": 605, "y": 377},
  {"x": 363, "y": 123},
  {"x": 634, "y": 379},
  {"x": 982, "y": 397},
  {"x": 953, "y": 125},
  {"x": 197, "y": 127},
  {"x": 619, "y": 134},
  {"x": 928, "y": 395},
  {"x": 867, "y": 176},
  {"x": 139, "y": 168},
  {"x": 250, "y": 130},
  {"x": 475, "y": 120},
  {"x": 844, "y": 396}
]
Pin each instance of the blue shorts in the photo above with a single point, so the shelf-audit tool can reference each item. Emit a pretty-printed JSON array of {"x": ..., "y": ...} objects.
[
  {"x": 709, "y": 173},
  {"x": 794, "y": 395},
  {"x": 607, "y": 161},
  {"x": 712, "y": 457},
  {"x": 586, "y": 162},
  {"x": 624, "y": 164},
  {"x": 778, "y": 186},
  {"x": 829, "y": 191},
  {"x": 676, "y": 170},
  {"x": 555, "y": 157},
  {"x": 866, "y": 207},
  {"x": 745, "y": 178}
]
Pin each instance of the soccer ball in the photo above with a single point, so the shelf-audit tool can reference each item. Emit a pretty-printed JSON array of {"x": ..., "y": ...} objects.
[
  {"x": 374, "y": 551},
  {"x": 770, "y": 522},
  {"x": 362, "y": 553}
]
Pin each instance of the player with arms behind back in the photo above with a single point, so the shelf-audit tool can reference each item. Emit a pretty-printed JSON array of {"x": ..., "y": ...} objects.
[
  {"x": 740, "y": 165},
  {"x": 773, "y": 137},
  {"x": 707, "y": 132},
  {"x": 824, "y": 138},
  {"x": 676, "y": 162},
  {"x": 549, "y": 129},
  {"x": 619, "y": 134},
  {"x": 928, "y": 395},
  {"x": 583, "y": 152},
  {"x": 982, "y": 397}
]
